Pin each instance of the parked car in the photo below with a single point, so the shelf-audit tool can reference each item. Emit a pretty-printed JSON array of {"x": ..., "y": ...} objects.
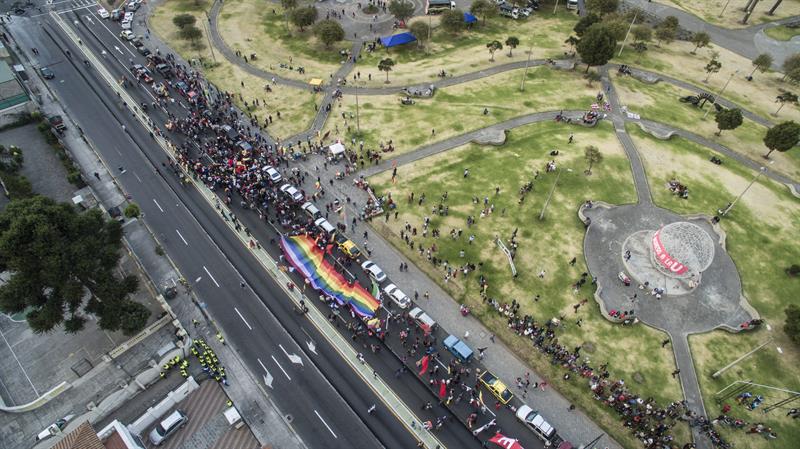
[
  {"x": 163, "y": 69},
  {"x": 423, "y": 320},
  {"x": 167, "y": 427},
  {"x": 497, "y": 387},
  {"x": 325, "y": 226},
  {"x": 273, "y": 174},
  {"x": 292, "y": 192},
  {"x": 47, "y": 73},
  {"x": 103, "y": 13},
  {"x": 536, "y": 422},
  {"x": 374, "y": 271},
  {"x": 311, "y": 210},
  {"x": 572, "y": 4},
  {"x": 526, "y": 12},
  {"x": 57, "y": 123},
  {"x": 397, "y": 296},
  {"x": 458, "y": 348},
  {"x": 127, "y": 35}
]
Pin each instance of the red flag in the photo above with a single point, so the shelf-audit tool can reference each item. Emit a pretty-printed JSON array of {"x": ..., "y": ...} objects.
[
  {"x": 505, "y": 442},
  {"x": 442, "y": 389},
  {"x": 329, "y": 249},
  {"x": 424, "y": 365}
]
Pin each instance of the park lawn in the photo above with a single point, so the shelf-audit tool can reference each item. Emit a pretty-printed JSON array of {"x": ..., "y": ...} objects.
[
  {"x": 759, "y": 231},
  {"x": 457, "y": 109},
  {"x": 757, "y": 96},
  {"x": 709, "y": 10},
  {"x": 633, "y": 353},
  {"x": 466, "y": 52},
  {"x": 782, "y": 32},
  {"x": 251, "y": 26},
  {"x": 296, "y": 106},
  {"x": 660, "y": 102}
]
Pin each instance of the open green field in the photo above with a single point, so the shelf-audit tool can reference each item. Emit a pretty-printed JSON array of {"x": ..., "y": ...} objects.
[
  {"x": 633, "y": 353},
  {"x": 457, "y": 109},
  {"x": 782, "y": 32},
  {"x": 466, "y": 51},
  {"x": 660, "y": 102},
  {"x": 757, "y": 231},
  {"x": 296, "y": 106}
]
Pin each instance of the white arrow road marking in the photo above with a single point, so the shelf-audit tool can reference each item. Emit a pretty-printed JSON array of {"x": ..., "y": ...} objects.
[
  {"x": 268, "y": 378},
  {"x": 326, "y": 424},
  {"x": 279, "y": 366},
  {"x": 89, "y": 18},
  {"x": 294, "y": 358},
  {"x": 209, "y": 275},
  {"x": 242, "y": 317},
  {"x": 311, "y": 346},
  {"x": 117, "y": 49}
]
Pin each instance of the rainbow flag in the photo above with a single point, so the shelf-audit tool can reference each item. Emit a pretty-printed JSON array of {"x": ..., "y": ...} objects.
[{"x": 309, "y": 260}]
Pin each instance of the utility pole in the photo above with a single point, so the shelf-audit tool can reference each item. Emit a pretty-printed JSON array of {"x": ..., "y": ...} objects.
[
  {"x": 525, "y": 74},
  {"x": 716, "y": 97},
  {"x": 555, "y": 8},
  {"x": 550, "y": 195},
  {"x": 358, "y": 120},
  {"x": 208, "y": 36},
  {"x": 622, "y": 47},
  {"x": 724, "y": 212},
  {"x": 724, "y": 8}
]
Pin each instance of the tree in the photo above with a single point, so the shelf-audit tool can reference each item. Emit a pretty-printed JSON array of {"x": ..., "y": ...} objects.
[
  {"x": 493, "y": 46},
  {"x": 762, "y": 63},
  {"x": 585, "y": 22},
  {"x": 303, "y": 17},
  {"x": 483, "y": 8},
  {"x": 289, "y": 4},
  {"x": 794, "y": 75},
  {"x": 597, "y": 46},
  {"x": 791, "y": 63},
  {"x": 728, "y": 119},
  {"x": 783, "y": 98},
  {"x": 401, "y": 9},
  {"x": 602, "y": 7},
  {"x": 670, "y": 22},
  {"x": 593, "y": 156},
  {"x": 511, "y": 43},
  {"x": 665, "y": 34},
  {"x": 617, "y": 27},
  {"x": 642, "y": 33},
  {"x": 181, "y": 20},
  {"x": 190, "y": 33},
  {"x": 792, "y": 324},
  {"x": 572, "y": 41},
  {"x": 453, "y": 20},
  {"x": 328, "y": 31},
  {"x": 132, "y": 210},
  {"x": 700, "y": 40},
  {"x": 63, "y": 264},
  {"x": 420, "y": 30},
  {"x": 782, "y": 137},
  {"x": 712, "y": 67},
  {"x": 385, "y": 65}
]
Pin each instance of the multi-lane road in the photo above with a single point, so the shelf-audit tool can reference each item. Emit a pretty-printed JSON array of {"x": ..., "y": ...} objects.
[{"x": 327, "y": 401}]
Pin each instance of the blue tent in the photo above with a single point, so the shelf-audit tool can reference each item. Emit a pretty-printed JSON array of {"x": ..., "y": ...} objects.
[
  {"x": 469, "y": 18},
  {"x": 397, "y": 39}
]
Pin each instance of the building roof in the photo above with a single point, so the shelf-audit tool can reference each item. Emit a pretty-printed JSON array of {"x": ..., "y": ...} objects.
[
  {"x": 83, "y": 437},
  {"x": 5, "y": 72}
]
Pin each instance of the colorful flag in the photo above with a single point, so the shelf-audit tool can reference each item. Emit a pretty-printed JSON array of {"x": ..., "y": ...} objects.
[
  {"x": 505, "y": 442},
  {"x": 423, "y": 364},
  {"x": 442, "y": 389}
]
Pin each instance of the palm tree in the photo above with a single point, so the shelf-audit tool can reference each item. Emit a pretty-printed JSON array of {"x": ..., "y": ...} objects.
[
  {"x": 386, "y": 66},
  {"x": 593, "y": 156}
]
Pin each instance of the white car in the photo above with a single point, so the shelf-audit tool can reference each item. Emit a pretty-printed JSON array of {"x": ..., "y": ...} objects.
[
  {"x": 374, "y": 271},
  {"x": 292, "y": 192},
  {"x": 397, "y": 296},
  {"x": 543, "y": 430},
  {"x": 126, "y": 24},
  {"x": 526, "y": 12},
  {"x": 273, "y": 174},
  {"x": 103, "y": 13},
  {"x": 128, "y": 17},
  {"x": 127, "y": 35}
]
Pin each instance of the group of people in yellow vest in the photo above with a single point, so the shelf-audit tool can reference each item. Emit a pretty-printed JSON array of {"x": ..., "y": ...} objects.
[
  {"x": 178, "y": 361},
  {"x": 209, "y": 360}
]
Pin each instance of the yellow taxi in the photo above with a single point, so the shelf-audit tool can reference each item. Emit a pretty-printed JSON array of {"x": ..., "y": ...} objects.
[{"x": 497, "y": 387}]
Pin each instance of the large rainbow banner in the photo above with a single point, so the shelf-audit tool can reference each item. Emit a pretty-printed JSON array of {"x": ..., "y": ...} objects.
[{"x": 309, "y": 260}]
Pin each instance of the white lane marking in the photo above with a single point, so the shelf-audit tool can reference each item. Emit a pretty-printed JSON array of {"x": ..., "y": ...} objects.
[
  {"x": 115, "y": 37},
  {"x": 159, "y": 207},
  {"x": 242, "y": 317},
  {"x": 137, "y": 177},
  {"x": 326, "y": 424},
  {"x": 294, "y": 358},
  {"x": 268, "y": 378},
  {"x": 209, "y": 275},
  {"x": 19, "y": 363},
  {"x": 279, "y": 366},
  {"x": 179, "y": 235}
]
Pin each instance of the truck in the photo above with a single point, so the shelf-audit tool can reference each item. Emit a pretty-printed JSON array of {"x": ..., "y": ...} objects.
[
  {"x": 458, "y": 348},
  {"x": 439, "y": 6}
]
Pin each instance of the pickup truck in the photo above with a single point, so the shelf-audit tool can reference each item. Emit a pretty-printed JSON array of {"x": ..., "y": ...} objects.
[{"x": 57, "y": 123}]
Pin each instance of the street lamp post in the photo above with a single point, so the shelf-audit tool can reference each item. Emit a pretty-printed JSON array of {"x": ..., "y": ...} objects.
[
  {"x": 761, "y": 171},
  {"x": 724, "y": 8},
  {"x": 550, "y": 195},
  {"x": 525, "y": 74},
  {"x": 720, "y": 92},
  {"x": 622, "y": 47},
  {"x": 358, "y": 120}
]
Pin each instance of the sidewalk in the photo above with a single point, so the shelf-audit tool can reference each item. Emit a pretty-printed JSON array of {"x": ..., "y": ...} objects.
[{"x": 266, "y": 422}]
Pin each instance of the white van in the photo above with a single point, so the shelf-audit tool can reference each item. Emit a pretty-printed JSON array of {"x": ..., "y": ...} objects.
[
  {"x": 167, "y": 427},
  {"x": 324, "y": 225},
  {"x": 311, "y": 210},
  {"x": 536, "y": 423},
  {"x": 572, "y": 4}
]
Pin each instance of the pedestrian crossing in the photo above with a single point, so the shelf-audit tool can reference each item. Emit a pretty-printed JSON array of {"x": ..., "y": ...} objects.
[{"x": 71, "y": 5}]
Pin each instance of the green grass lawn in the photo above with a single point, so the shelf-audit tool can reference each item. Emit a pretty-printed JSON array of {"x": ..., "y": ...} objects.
[
  {"x": 633, "y": 353},
  {"x": 757, "y": 231},
  {"x": 458, "y": 109},
  {"x": 782, "y": 32},
  {"x": 660, "y": 102}
]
